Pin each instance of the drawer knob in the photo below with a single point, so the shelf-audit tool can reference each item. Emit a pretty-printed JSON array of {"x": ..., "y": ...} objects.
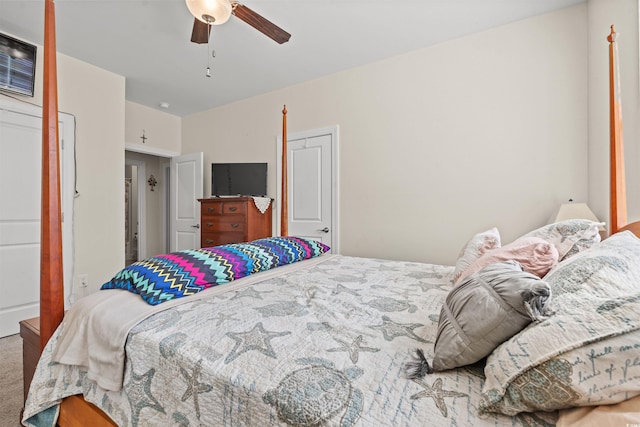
[
  {"x": 210, "y": 209},
  {"x": 208, "y": 241},
  {"x": 209, "y": 224},
  {"x": 235, "y": 225},
  {"x": 233, "y": 209}
]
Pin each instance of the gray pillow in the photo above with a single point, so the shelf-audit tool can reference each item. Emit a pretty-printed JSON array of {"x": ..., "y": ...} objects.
[{"x": 486, "y": 309}]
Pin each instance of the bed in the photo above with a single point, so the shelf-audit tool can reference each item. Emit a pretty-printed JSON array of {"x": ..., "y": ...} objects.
[{"x": 329, "y": 340}]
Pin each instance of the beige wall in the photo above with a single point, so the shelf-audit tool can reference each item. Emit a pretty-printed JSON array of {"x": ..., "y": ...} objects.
[
  {"x": 624, "y": 15},
  {"x": 96, "y": 98},
  {"x": 438, "y": 144},
  {"x": 163, "y": 130}
]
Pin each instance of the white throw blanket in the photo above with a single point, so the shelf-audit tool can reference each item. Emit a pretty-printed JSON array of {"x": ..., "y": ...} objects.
[{"x": 94, "y": 331}]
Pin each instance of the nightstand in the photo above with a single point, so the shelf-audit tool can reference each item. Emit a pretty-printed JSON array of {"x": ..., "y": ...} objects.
[{"x": 30, "y": 333}]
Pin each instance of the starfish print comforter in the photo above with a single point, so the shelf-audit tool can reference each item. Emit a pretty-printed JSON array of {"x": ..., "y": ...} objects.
[{"x": 320, "y": 346}]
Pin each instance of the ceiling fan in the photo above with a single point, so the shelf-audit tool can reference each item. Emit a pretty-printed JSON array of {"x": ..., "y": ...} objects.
[{"x": 217, "y": 12}]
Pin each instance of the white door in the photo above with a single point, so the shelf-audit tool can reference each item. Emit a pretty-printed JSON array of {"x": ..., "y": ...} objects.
[
  {"x": 20, "y": 184},
  {"x": 312, "y": 174},
  {"x": 186, "y": 188}
]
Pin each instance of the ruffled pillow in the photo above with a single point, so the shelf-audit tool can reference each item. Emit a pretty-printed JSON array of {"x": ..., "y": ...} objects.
[
  {"x": 535, "y": 255},
  {"x": 474, "y": 249}
]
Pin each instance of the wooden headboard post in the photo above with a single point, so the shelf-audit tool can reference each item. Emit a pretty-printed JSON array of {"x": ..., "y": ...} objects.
[
  {"x": 51, "y": 279},
  {"x": 618, "y": 203},
  {"x": 284, "y": 216}
]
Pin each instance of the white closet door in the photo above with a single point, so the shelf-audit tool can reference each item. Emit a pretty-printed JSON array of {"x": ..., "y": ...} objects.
[
  {"x": 20, "y": 184},
  {"x": 312, "y": 184}
]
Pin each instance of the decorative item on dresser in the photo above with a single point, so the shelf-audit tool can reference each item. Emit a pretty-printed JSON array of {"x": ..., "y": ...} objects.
[{"x": 233, "y": 220}]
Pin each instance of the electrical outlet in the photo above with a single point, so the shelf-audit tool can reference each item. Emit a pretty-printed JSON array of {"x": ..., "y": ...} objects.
[{"x": 83, "y": 280}]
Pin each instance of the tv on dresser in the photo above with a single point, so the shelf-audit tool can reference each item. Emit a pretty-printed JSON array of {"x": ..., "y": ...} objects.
[{"x": 238, "y": 179}]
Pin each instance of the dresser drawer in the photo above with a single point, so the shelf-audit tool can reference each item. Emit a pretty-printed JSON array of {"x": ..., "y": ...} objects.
[
  {"x": 223, "y": 208},
  {"x": 212, "y": 209},
  {"x": 223, "y": 223},
  {"x": 219, "y": 238},
  {"x": 233, "y": 208}
]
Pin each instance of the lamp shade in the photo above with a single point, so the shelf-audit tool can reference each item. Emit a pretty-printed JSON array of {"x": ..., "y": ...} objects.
[
  {"x": 574, "y": 210},
  {"x": 213, "y": 12}
]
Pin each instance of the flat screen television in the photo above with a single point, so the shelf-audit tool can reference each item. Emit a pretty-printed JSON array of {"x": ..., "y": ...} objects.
[
  {"x": 238, "y": 179},
  {"x": 17, "y": 65}
]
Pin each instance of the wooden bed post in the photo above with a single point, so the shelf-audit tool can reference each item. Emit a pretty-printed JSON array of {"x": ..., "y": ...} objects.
[
  {"x": 284, "y": 217},
  {"x": 617, "y": 204},
  {"x": 51, "y": 279}
]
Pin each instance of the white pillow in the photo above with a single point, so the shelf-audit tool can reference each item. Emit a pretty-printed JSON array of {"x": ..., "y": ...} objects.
[{"x": 474, "y": 249}]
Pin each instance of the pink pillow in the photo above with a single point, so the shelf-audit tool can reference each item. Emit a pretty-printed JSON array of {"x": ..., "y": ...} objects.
[{"x": 536, "y": 256}]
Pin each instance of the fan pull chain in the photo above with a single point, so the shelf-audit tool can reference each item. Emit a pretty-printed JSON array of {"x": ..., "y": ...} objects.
[
  {"x": 213, "y": 55},
  {"x": 210, "y": 53}
]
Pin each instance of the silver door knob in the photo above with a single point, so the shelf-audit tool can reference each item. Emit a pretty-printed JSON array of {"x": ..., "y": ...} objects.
[
  {"x": 325, "y": 230},
  {"x": 195, "y": 226}
]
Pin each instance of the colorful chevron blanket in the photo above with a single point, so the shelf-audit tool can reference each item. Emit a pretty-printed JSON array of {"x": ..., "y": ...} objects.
[{"x": 178, "y": 274}]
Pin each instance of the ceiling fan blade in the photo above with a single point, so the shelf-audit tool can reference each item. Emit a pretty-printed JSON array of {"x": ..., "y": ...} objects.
[
  {"x": 200, "y": 33},
  {"x": 261, "y": 24}
]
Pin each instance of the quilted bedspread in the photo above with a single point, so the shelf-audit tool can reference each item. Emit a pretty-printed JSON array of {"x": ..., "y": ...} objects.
[{"x": 321, "y": 346}]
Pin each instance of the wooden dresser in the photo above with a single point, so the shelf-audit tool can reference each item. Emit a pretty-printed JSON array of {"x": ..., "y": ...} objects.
[{"x": 232, "y": 220}]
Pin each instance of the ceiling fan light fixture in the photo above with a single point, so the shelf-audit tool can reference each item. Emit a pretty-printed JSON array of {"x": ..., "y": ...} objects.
[{"x": 214, "y": 12}]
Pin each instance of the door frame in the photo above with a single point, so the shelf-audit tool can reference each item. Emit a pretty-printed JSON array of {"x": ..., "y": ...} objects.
[
  {"x": 142, "y": 206},
  {"x": 165, "y": 166},
  {"x": 142, "y": 220},
  {"x": 335, "y": 176}
]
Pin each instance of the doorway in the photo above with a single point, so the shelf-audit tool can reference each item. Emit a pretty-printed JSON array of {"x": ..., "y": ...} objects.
[
  {"x": 149, "y": 192},
  {"x": 144, "y": 225}
]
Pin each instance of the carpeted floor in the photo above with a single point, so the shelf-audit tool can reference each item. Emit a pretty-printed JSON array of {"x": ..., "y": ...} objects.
[{"x": 11, "y": 393}]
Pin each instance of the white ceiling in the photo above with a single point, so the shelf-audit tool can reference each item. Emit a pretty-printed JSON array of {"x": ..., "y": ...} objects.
[{"x": 148, "y": 41}]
